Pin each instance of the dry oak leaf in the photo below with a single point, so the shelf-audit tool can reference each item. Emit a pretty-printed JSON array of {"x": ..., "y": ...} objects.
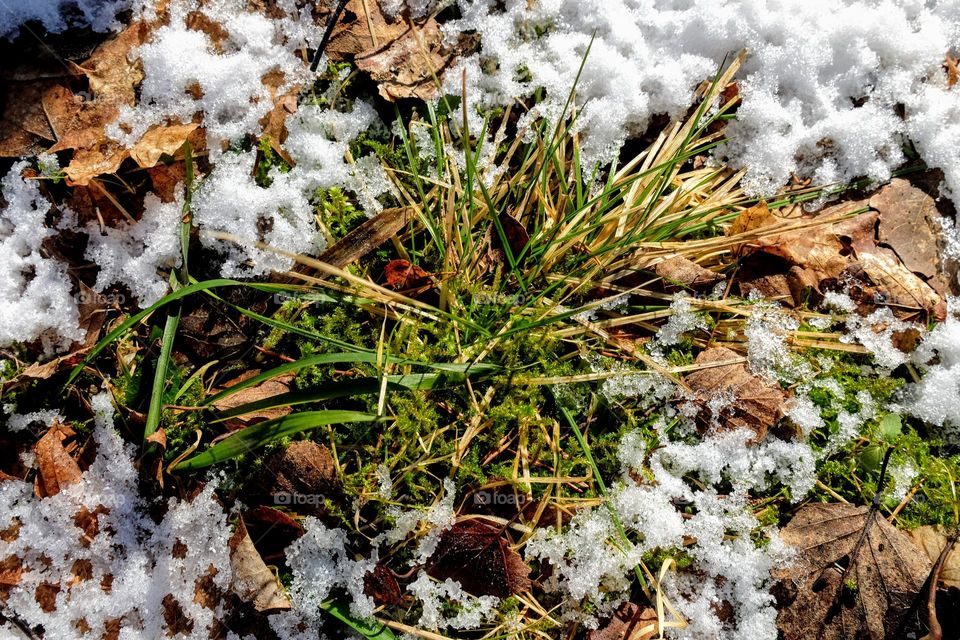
[
  {"x": 57, "y": 468},
  {"x": 410, "y": 65},
  {"x": 358, "y": 31},
  {"x": 252, "y": 580},
  {"x": 160, "y": 140},
  {"x": 24, "y": 128},
  {"x": 685, "y": 273},
  {"x": 756, "y": 403},
  {"x": 931, "y": 540},
  {"x": 827, "y": 594},
  {"x": 830, "y": 249},
  {"x": 629, "y": 622},
  {"x": 476, "y": 554}
]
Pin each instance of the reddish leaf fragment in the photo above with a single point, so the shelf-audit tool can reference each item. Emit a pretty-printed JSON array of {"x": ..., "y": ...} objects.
[{"x": 477, "y": 555}]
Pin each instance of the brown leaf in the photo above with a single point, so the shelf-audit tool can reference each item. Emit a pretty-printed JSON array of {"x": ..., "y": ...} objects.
[
  {"x": 368, "y": 236},
  {"x": 829, "y": 250},
  {"x": 931, "y": 540},
  {"x": 160, "y": 140},
  {"x": 381, "y": 585},
  {"x": 629, "y": 622},
  {"x": 57, "y": 468},
  {"x": 358, "y": 32},
  {"x": 262, "y": 391},
  {"x": 907, "y": 223},
  {"x": 833, "y": 590},
  {"x": 24, "y": 128},
  {"x": 751, "y": 219},
  {"x": 401, "y": 275},
  {"x": 166, "y": 180},
  {"x": 950, "y": 64},
  {"x": 679, "y": 272},
  {"x": 252, "y": 580},
  {"x": 477, "y": 555},
  {"x": 756, "y": 403},
  {"x": 305, "y": 473},
  {"x": 272, "y": 531},
  {"x": 409, "y": 65}
]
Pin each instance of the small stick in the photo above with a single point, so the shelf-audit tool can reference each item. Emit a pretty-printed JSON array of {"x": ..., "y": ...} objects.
[
  {"x": 936, "y": 631},
  {"x": 334, "y": 19}
]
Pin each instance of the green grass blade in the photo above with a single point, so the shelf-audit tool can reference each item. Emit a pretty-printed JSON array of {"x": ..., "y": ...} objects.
[
  {"x": 370, "y": 629},
  {"x": 264, "y": 433}
]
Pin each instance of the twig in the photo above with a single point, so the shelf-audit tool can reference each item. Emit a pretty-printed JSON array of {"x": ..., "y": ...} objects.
[{"x": 334, "y": 19}]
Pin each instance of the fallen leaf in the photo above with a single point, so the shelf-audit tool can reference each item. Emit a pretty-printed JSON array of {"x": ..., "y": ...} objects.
[
  {"x": 359, "y": 31},
  {"x": 827, "y": 594},
  {"x": 908, "y": 224},
  {"x": 679, "y": 272},
  {"x": 410, "y": 65},
  {"x": 57, "y": 468},
  {"x": 368, "y": 236},
  {"x": 24, "y": 128},
  {"x": 160, "y": 140},
  {"x": 931, "y": 540},
  {"x": 381, "y": 585},
  {"x": 476, "y": 554},
  {"x": 166, "y": 180},
  {"x": 301, "y": 477},
  {"x": 267, "y": 389},
  {"x": 754, "y": 403},
  {"x": 253, "y": 581},
  {"x": 831, "y": 250},
  {"x": 629, "y": 622},
  {"x": 401, "y": 275},
  {"x": 272, "y": 531},
  {"x": 751, "y": 219},
  {"x": 950, "y": 63}
]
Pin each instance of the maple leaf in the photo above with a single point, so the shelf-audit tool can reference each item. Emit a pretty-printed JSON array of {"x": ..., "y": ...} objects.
[{"x": 855, "y": 576}]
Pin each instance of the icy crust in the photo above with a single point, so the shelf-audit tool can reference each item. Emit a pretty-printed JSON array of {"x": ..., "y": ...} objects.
[
  {"x": 58, "y": 15},
  {"x": 936, "y": 398},
  {"x": 35, "y": 292},
  {"x": 101, "y": 561},
  {"x": 820, "y": 88}
]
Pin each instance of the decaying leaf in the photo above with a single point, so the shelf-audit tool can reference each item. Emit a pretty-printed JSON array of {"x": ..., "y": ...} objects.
[
  {"x": 931, "y": 540},
  {"x": 752, "y": 403},
  {"x": 272, "y": 531},
  {"x": 381, "y": 585},
  {"x": 267, "y": 389},
  {"x": 24, "y": 128},
  {"x": 401, "y": 275},
  {"x": 751, "y": 219},
  {"x": 829, "y": 251},
  {"x": 57, "y": 468},
  {"x": 907, "y": 223},
  {"x": 629, "y": 622},
  {"x": 160, "y": 140},
  {"x": 253, "y": 581},
  {"x": 367, "y": 237},
  {"x": 304, "y": 475},
  {"x": 679, "y": 272},
  {"x": 410, "y": 65},
  {"x": 363, "y": 27},
  {"x": 835, "y": 590},
  {"x": 476, "y": 554}
]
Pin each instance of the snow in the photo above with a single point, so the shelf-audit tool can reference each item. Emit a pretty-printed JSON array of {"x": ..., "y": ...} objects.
[
  {"x": 58, "y": 15},
  {"x": 820, "y": 86},
  {"x": 36, "y": 301},
  {"x": 433, "y": 596},
  {"x": 936, "y": 398},
  {"x": 123, "y": 549},
  {"x": 134, "y": 254}
]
